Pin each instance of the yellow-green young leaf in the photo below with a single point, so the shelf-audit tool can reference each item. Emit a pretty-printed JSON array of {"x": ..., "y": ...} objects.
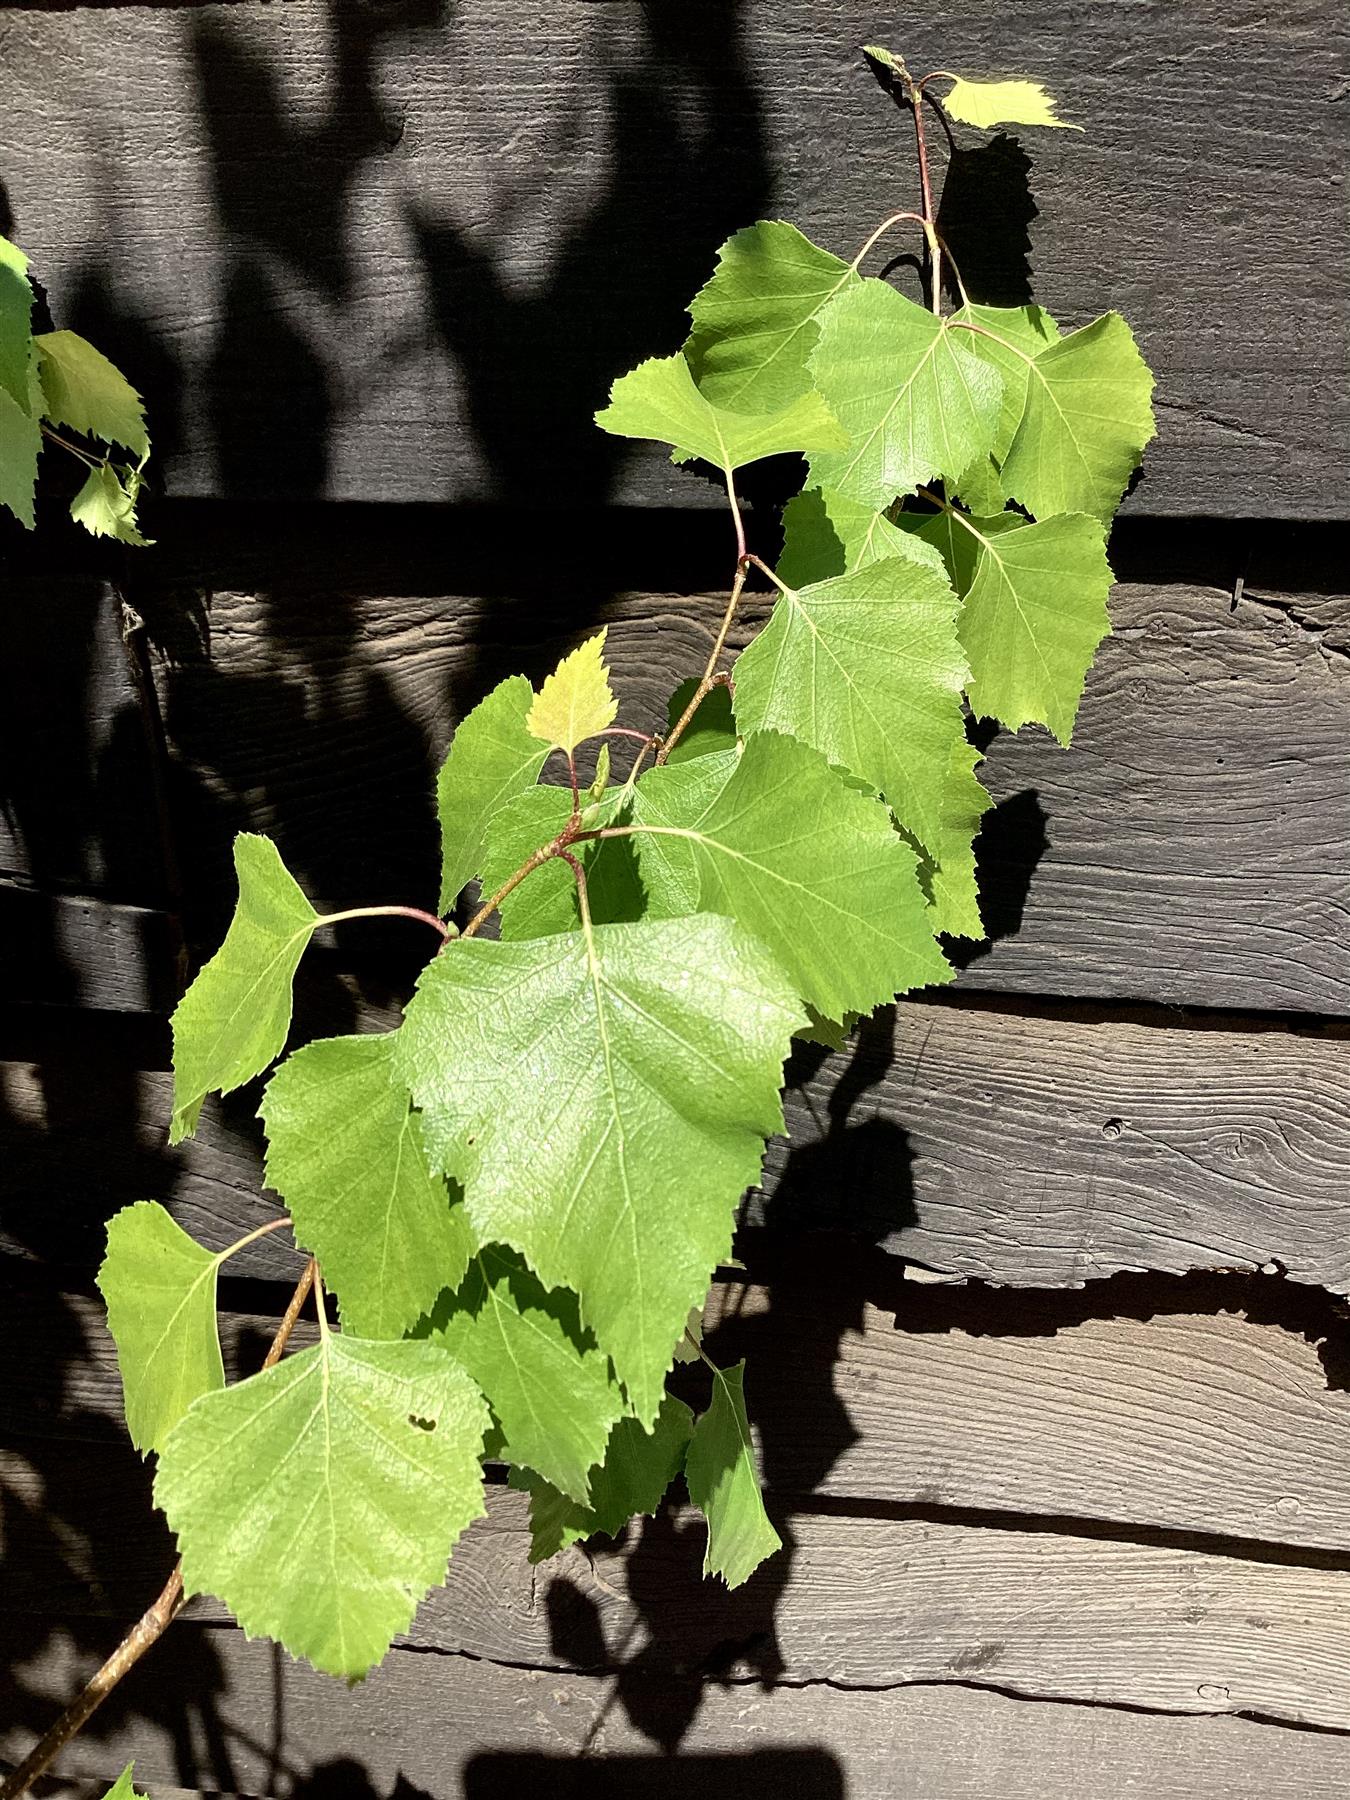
[
  {"x": 549, "y": 1388},
  {"x": 825, "y": 534},
  {"x": 82, "y": 389},
  {"x": 107, "y": 509},
  {"x": 160, "y": 1289},
  {"x": 867, "y": 668},
  {"x": 122, "y": 1789},
  {"x": 603, "y": 1098},
  {"x": 660, "y": 400},
  {"x": 492, "y": 757},
  {"x": 630, "y": 1483},
  {"x": 1033, "y": 617},
  {"x": 20, "y": 442},
  {"x": 16, "y": 336},
  {"x": 233, "y": 1020},
  {"x": 575, "y": 701},
  {"x": 989, "y": 103},
  {"x": 320, "y": 1499},
  {"x": 723, "y": 1483},
  {"x": 1087, "y": 417},
  {"x": 813, "y": 867},
  {"x": 344, "y": 1151},
  {"x": 915, "y": 403},
  {"x": 755, "y": 320}
]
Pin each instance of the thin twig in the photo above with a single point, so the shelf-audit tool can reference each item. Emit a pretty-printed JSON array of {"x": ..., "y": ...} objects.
[{"x": 147, "y": 1630}]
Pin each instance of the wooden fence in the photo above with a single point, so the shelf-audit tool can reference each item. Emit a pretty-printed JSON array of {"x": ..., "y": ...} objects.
[{"x": 1056, "y": 1415}]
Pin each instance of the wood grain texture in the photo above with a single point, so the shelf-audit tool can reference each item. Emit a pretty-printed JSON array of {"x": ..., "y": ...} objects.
[
  {"x": 879, "y": 1603},
  {"x": 973, "y": 1144},
  {"x": 457, "y": 1730},
  {"x": 459, "y": 257},
  {"x": 1190, "y": 848},
  {"x": 868, "y": 1396}
]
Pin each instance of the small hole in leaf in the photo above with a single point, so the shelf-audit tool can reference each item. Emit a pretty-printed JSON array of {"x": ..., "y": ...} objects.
[{"x": 421, "y": 1424}]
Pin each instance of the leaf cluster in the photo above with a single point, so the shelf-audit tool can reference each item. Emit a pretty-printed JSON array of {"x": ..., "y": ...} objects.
[
  {"x": 52, "y": 379},
  {"x": 518, "y": 1199}
]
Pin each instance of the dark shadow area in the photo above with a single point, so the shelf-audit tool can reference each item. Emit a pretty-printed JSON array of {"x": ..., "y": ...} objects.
[
  {"x": 1011, "y": 842},
  {"x": 985, "y": 215}
]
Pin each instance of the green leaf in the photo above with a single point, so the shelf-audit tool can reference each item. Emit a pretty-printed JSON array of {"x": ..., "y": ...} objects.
[
  {"x": 660, "y": 400},
  {"x": 82, "y": 389},
  {"x": 610, "y": 1116},
  {"x": 122, "y": 1789},
  {"x": 989, "y": 103},
  {"x": 160, "y": 1289},
  {"x": 232, "y": 1022},
  {"x": 630, "y": 1483},
  {"x": 755, "y": 319},
  {"x": 1087, "y": 418},
  {"x": 867, "y": 669},
  {"x": 491, "y": 758},
  {"x": 575, "y": 701},
  {"x": 712, "y": 728},
  {"x": 20, "y": 442},
  {"x": 723, "y": 1484},
  {"x": 949, "y": 536},
  {"x": 914, "y": 402},
  {"x": 108, "y": 509},
  {"x": 1033, "y": 617},
  {"x": 523, "y": 1344},
  {"x": 320, "y": 1499},
  {"x": 825, "y": 534},
  {"x": 344, "y": 1151},
  {"x": 1022, "y": 332},
  {"x": 811, "y": 866},
  {"x": 16, "y": 333},
  {"x": 954, "y": 892}
]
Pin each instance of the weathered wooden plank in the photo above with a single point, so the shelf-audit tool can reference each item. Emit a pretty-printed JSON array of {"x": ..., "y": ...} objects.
[
  {"x": 866, "y": 1602},
  {"x": 391, "y": 320},
  {"x": 82, "y": 951},
  {"x": 223, "y": 1713},
  {"x": 871, "y": 1393},
  {"x": 974, "y": 1144},
  {"x": 1189, "y": 848}
]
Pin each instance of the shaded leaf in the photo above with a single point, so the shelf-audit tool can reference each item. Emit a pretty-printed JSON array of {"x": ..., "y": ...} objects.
[
  {"x": 549, "y": 1390},
  {"x": 320, "y": 1499},
  {"x": 1022, "y": 332},
  {"x": 630, "y": 1483},
  {"x": 16, "y": 335},
  {"x": 724, "y": 1484},
  {"x": 20, "y": 442},
  {"x": 344, "y": 1151},
  {"x": 826, "y": 534},
  {"x": 232, "y": 1022},
  {"x": 491, "y": 758},
  {"x": 160, "y": 1289},
  {"x": 122, "y": 1789},
  {"x": 603, "y": 1098},
  {"x": 712, "y": 727}
]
